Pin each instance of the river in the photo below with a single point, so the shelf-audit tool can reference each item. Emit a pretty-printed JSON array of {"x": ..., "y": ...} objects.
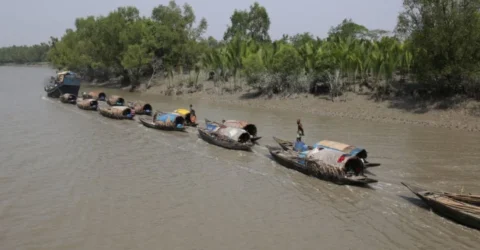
[{"x": 72, "y": 179}]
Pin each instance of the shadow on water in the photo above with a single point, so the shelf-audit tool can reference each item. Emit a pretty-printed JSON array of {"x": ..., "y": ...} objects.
[{"x": 415, "y": 201}]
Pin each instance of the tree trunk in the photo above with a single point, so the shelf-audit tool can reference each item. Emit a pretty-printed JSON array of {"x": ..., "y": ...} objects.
[{"x": 151, "y": 77}]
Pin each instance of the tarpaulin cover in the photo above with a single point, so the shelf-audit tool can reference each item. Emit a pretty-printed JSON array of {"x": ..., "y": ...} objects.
[
  {"x": 115, "y": 100},
  {"x": 232, "y": 133},
  {"x": 235, "y": 123},
  {"x": 249, "y": 127},
  {"x": 140, "y": 107},
  {"x": 166, "y": 117},
  {"x": 121, "y": 110},
  {"x": 95, "y": 95},
  {"x": 328, "y": 156},
  {"x": 345, "y": 148},
  {"x": 169, "y": 120},
  {"x": 212, "y": 127},
  {"x": 183, "y": 112},
  {"x": 87, "y": 103}
]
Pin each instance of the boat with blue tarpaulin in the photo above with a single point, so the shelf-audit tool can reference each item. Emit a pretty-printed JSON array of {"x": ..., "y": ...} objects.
[
  {"x": 165, "y": 121},
  {"x": 66, "y": 82}
]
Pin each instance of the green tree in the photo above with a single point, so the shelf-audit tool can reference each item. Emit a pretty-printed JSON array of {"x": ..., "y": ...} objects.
[
  {"x": 300, "y": 40},
  {"x": 253, "y": 24},
  {"x": 24, "y": 54},
  {"x": 347, "y": 28},
  {"x": 174, "y": 35},
  {"x": 134, "y": 60},
  {"x": 445, "y": 37},
  {"x": 287, "y": 61}
]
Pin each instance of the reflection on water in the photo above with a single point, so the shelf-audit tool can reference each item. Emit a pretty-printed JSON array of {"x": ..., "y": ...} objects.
[{"x": 72, "y": 179}]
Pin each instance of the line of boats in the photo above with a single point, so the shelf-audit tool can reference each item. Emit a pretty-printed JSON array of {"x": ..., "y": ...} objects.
[{"x": 327, "y": 160}]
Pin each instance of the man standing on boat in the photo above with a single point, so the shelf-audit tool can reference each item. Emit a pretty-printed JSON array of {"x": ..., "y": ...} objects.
[
  {"x": 300, "y": 146},
  {"x": 193, "y": 116},
  {"x": 300, "y": 128}
]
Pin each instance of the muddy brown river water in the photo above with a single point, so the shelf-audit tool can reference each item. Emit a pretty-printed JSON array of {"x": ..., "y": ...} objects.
[{"x": 72, "y": 179}]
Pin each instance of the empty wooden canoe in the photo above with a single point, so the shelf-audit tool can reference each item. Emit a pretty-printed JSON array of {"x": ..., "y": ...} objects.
[{"x": 463, "y": 209}]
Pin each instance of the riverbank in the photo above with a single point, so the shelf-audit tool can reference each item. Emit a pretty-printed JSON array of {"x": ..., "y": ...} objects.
[
  {"x": 360, "y": 107},
  {"x": 37, "y": 64},
  {"x": 453, "y": 113}
]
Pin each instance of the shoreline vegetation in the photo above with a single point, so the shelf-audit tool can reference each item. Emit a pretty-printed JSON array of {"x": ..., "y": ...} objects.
[{"x": 426, "y": 71}]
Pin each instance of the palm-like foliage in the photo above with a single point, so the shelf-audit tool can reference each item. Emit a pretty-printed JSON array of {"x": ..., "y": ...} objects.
[{"x": 355, "y": 59}]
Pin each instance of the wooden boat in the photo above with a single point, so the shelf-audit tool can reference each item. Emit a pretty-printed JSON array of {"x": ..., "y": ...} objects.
[
  {"x": 68, "y": 98},
  {"x": 190, "y": 120},
  {"x": 117, "y": 112},
  {"x": 463, "y": 209},
  {"x": 250, "y": 128},
  {"x": 288, "y": 145},
  {"x": 165, "y": 121},
  {"x": 66, "y": 82},
  {"x": 325, "y": 164},
  {"x": 115, "y": 100},
  {"x": 226, "y": 137},
  {"x": 140, "y": 107},
  {"x": 87, "y": 104},
  {"x": 99, "y": 96}
]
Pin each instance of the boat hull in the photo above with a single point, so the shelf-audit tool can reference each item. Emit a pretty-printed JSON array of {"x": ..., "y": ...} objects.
[
  {"x": 288, "y": 160},
  {"x": 225, "y": 143},
  {"x": 57, "y": 91},
  {"x": 255, "y": 139},
  {"x": 457, "y": 215},
  {"x": 150, "y": 124},
  {"x": 191, "y": 124}
]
